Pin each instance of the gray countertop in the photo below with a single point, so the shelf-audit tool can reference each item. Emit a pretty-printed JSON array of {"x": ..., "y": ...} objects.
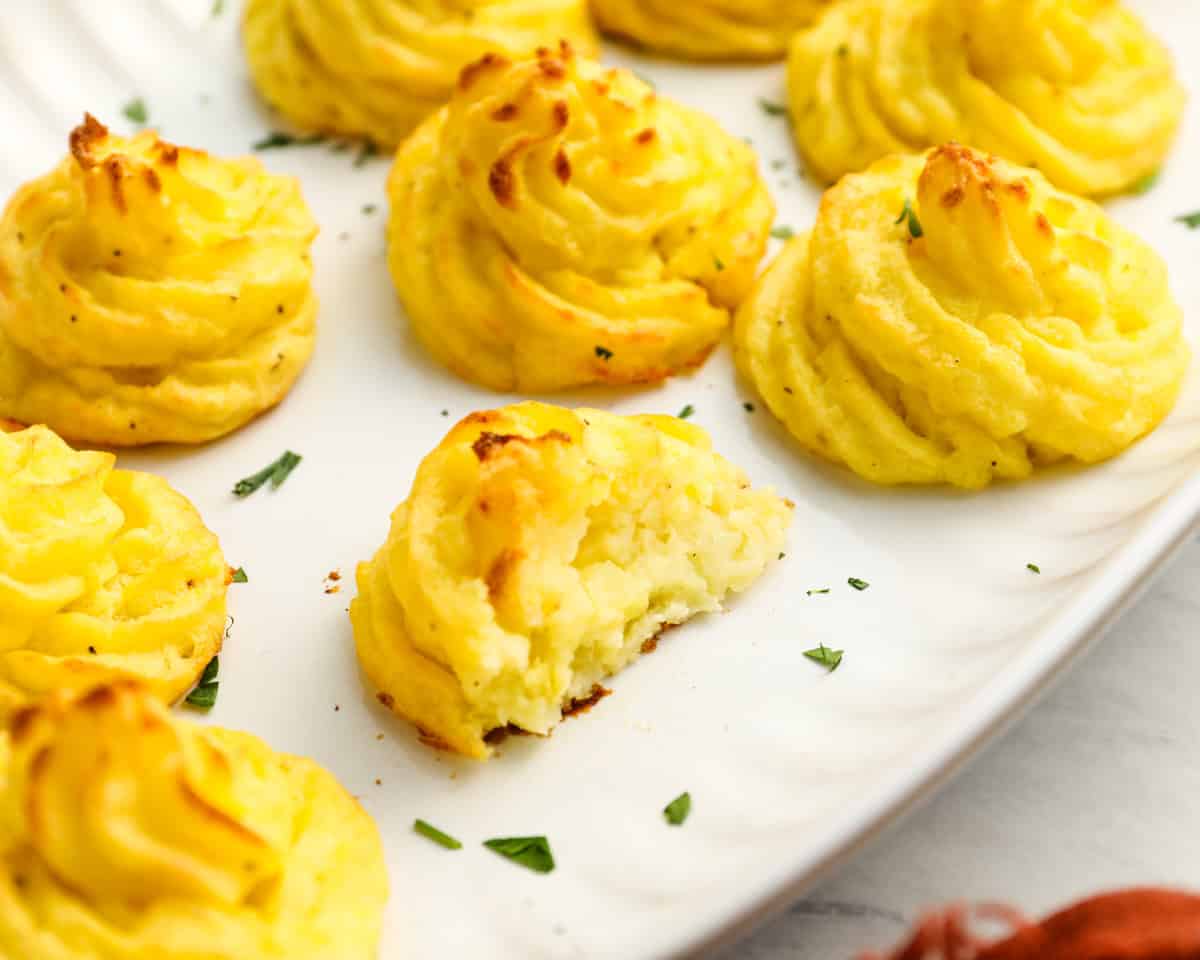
[{"x": 1094, "y": 788}]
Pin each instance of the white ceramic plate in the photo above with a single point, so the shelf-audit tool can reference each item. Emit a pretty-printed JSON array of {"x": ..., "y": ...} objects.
[{"x": 788, "y": 767}]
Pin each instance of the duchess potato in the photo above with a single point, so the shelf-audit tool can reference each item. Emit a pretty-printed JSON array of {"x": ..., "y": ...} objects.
[
  {"x": 542, "y": 549},
  {"x": 150, "y": 293},
  {"x": 377, "y": 68},
  {"x": 560, "y": 224},
  {"x": 103, "y": 573},
  {"x": 126, "y": 834},
  {"x": 996, "y": 324},
  {"x": 1079, "y": 89},
  {"x": 709, "y": 29}
]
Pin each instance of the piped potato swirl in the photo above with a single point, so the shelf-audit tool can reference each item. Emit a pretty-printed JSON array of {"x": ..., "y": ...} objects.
[
  {"x": 152, "y": 293},
  {"x": 126, "y": 834},
  {"x": 103, "y": 573},
  {"x": 1078, "y": 89},
  {"x": 377, "y": 68},
  {"x": 542, "y": 549},
  {"x": 560, "y": 224},
  {"x": 998, "y": 324},
  {"x": 709, "y": 29}
]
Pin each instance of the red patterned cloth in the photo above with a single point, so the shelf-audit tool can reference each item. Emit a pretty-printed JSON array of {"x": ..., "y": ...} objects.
[{"x": 1145, "y": 924}]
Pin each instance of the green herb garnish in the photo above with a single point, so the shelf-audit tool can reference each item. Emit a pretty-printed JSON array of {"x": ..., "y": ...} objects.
[
  {"x": 1147, "y": 183},
  {"x": 858, "y": 584},
  {"x": 239, "y": 576},
  {"x": 1190, "y": 220},
  {"x": 273, "y": 141},
  {"x": 678, "y": 809},
  {"x": 825, "y": 657},
  {"x": 430, "y": 832},
  {"x": 771, "y": 108},
  {"x": 204, "y": 694},
  {"x": 604, "y": 353},
  {"x": 914, "y": 225},
  {"x": 686, "y": 412},
  {"x": 814, "y": 592},
  {"x": 365, "y": 153},
  {"x": 783, "y": 233},
  {"x": 218, "y": 8},
  {"x": 718, "y": 263},
  {"x": 1034, "y": 567},
  {"x": 135, "y": 111},
  {"x": 530, "y": 852},
  {"x": 277, "y": 472},
  {"x": 368, "y": 209}
]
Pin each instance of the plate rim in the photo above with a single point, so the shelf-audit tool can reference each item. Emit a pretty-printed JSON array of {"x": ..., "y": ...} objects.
[{"x": 1082, "y": 623}]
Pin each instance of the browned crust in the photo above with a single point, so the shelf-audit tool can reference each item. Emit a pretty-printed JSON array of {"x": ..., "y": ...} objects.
[
  {"x": 487, "y": 442},
  {"x": 975, "y": 172},
  {"x": 584, "y": 704},
  {"x": 473, "y": 71},
  {"x": 84, "y": 138},
  {"x": 500, "y": 734},
  {"x": 562, "y": 167},
  {"x": 433, "y": 740},
  {"x": 503, "y": 184},
  {"x": 952, "y": 197},
  {"x": 501, "y": 569}
]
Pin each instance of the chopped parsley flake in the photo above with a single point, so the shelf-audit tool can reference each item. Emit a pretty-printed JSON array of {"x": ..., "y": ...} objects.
[
  {"x": 686, "y": 412},
  {"x": 858, "y": 584},
  {"x": 218, "y": 8},
  {"x": 239, "y": 575},
  {"x": 816, "y": 591},
  {"x": 783, "y": 233},
  {"x": 276, "y": 472},
  {"x": 365, "y": 153},
  {"x": 530, "y": 852},
  {"x": 678, "y": 809},
  {"x": 430, "y": 832},
  {"x": 135, "y": 111},
  {"x": 210, "y": 671},
  {"x": 825, "y": 657},
  {"x": 1190, "y": 220},
  {"x": 604, "y": 353},
  {"x": 273, "y": 141},
  {"x": 1033, "y": 567},
  {"x": 718, "y": 263},
  {"x": 204, "y": 694},
  {"x": 771, "y": 108},
  {"x": 1147, "y": 183},
  {"x": 368, "y": 209},
  {"x": 914, "y": 225}
]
